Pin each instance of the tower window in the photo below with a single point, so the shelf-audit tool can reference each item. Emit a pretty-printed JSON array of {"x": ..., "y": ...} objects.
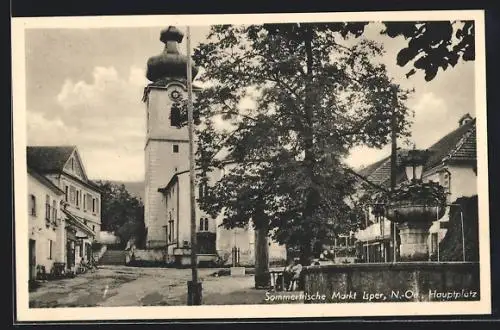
[
  {"x": 203, "y": 224},
  {"x": 175, "y": 116},
  {"x": 202, "y": 190},
  {"x": 175, "y": 148}
]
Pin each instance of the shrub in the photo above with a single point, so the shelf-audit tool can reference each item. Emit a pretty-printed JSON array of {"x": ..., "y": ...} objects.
[{"x": 450, "y": 248}]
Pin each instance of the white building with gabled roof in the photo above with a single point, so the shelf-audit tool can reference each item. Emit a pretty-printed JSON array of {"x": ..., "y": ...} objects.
[{"x": 79, "y": 208}]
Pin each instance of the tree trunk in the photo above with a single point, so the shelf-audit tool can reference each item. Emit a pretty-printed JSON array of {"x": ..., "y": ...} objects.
[
  {"x": 306, "y": 254},
  {"x": 262, "y": 277},
  {"x": 309, "y": 157}
]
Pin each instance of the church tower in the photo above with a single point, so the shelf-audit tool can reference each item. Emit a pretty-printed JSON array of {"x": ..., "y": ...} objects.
[{"x": 167, "y": 143}]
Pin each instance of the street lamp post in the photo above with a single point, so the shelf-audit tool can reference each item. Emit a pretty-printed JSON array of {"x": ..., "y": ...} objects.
[{"x": 414, "y": 168}]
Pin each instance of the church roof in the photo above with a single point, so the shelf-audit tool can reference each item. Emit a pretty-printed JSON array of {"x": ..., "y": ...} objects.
[
  {"x": 48, "y": 159},
  {"x": 170, "y": 63}
]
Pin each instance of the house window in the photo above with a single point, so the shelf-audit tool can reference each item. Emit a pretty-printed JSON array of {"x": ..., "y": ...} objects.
[
  {"x": 93, "y": 205},
  {"x": 49, "y": 254},
  {"x": 170, "y": 228},
  {"x": 201, "y": 224},
  {"x": 175, "y": 148},
  {"x": 72, "y": 161},
  {"x": 88, "y": 203},
  {"x": 446, "y": 181},
  {"x": 93, "y": 227},
  {"x": 66, "y": 193},
  {"x": 78, "y": 198},
  {"x": 32, "y": 205},
  {"x": 171, "y": 231},
  {"x": 54, "y": 210},
  {"x": 206, "y": 224},
  {"x": 72, "y": 193},
  {"x": 47, "y": 207},
  {"x": 175, "y": 116}
]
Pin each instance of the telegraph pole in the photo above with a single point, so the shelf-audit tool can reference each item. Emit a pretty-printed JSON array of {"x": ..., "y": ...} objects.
[
  {"x": 194, "y": 287},
  {"x": 393, "y": 161}
]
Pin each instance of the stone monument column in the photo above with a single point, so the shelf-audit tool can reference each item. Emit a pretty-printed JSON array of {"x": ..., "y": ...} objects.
[{"x": 414, "y": 237}]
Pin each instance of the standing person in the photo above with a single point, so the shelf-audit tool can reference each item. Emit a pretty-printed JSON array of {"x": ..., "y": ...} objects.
[
  {"x": 288, "y": 275},
  {"x": 296, "y": 270}
]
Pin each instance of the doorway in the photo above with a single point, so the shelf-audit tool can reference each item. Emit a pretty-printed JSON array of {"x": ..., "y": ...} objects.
[
  {"x": 32, "y": 261},
  {"x": 70, "y": 253}
]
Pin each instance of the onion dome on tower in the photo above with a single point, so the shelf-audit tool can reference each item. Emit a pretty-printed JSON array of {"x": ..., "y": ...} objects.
[{"x": 170, "y": 64}]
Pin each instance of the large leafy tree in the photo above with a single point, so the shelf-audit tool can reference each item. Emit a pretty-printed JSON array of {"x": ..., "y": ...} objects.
[
  {"x": 314, "y": 99},
  {"x": 433, "y": 45},
  {"x": 121, "y": 213}
]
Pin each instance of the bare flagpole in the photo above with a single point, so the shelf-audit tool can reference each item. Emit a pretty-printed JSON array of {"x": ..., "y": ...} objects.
[{"x": 194, "y": 287}]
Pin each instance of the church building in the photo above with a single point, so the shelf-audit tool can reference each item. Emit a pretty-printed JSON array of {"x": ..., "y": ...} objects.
[{"x": 167, "y": 196}]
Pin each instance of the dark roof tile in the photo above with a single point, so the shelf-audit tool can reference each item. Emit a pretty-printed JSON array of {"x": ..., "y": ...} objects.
[{"x": 45, "y": 159}]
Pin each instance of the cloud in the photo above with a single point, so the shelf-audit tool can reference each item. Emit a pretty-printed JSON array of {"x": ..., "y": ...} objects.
[
  {"x": 105, "y": 118},
  {"x": 432, "y": 120},
  {"x": 362, "y": 156},
  {"x": 44, "y": 131}
]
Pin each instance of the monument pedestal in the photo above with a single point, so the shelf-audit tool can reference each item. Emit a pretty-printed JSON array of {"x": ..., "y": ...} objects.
[{"x": 414, "y": 237}]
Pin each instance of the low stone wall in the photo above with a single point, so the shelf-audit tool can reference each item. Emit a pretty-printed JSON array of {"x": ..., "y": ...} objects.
[
  {"x": 392, "y": 282},
  {"x": 148, "y": 257}
]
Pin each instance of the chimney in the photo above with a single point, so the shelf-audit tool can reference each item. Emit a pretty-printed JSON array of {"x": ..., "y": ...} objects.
[{"x": 464, "y": 119}]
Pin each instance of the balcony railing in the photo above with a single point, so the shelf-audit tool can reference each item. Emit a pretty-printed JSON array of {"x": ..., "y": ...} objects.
[{"x": 374, "y": 232}]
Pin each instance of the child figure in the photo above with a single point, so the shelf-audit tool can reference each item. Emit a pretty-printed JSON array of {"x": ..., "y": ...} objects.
[{"x": 296, "y": 270}]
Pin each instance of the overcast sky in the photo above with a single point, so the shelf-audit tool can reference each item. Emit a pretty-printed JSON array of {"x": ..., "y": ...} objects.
[{"x": 84, "y": 87}]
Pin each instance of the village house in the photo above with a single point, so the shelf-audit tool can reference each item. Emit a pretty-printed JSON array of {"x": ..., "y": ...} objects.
[
  {"x": 46, "y": 228},
  {"x": 74, "y": 206},
  {"x": 452, "y": 163}
]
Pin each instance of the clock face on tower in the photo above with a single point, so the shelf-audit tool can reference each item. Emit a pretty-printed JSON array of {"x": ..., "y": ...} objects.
[{"x": 176, "y": 93}]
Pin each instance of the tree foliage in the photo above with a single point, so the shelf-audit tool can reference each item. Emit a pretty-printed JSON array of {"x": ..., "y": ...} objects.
[
  {"x": 433, "y": 45},
  {"x": 121, "y": 213},
  {"x": 451, "y": 246},
  {"x": 314, "y": 99}
]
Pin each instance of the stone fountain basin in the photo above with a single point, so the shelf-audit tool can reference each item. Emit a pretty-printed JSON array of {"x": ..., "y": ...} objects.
[{"x": 414, "y": 213}]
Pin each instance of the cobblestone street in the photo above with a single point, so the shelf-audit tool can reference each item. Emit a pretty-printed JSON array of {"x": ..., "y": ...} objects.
[{"x": 135, "y": 286}]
